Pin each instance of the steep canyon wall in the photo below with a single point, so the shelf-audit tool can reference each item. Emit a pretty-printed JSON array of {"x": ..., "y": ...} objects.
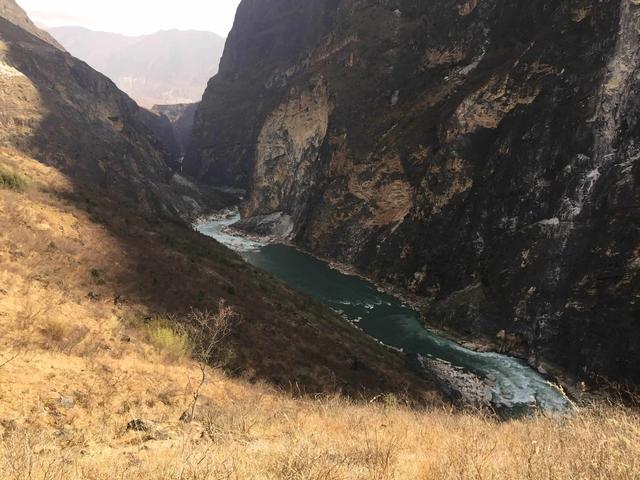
[{"x": 482, "y": 154}]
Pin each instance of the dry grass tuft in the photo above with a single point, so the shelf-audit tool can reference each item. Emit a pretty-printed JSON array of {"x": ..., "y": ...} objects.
[
  {"x": 170, "y": 338},
  {"x": 13, "y": 181}
]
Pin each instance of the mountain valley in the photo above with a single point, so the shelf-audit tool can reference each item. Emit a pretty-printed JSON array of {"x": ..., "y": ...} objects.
[
  {"x": 395, "y": 240},
  {"x": 478, "y": 154}
]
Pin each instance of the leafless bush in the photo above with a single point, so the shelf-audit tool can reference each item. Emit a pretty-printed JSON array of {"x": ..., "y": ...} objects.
[{"x": 209, "y": 330}]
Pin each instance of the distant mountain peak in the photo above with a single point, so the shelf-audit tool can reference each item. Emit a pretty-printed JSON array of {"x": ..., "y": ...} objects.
[{"x": 165, "y": 67}]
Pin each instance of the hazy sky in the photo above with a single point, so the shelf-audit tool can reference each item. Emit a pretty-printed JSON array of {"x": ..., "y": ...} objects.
[{"x": 135, "y": 17}]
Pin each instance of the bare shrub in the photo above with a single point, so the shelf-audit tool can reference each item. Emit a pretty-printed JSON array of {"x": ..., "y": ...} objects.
[
  {"x": 31, "y": 312},
  {"x": 209, "y": 332}
]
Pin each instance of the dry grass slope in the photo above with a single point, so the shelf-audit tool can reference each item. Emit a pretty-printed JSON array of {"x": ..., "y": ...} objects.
[
  {"x": 78, "y": 366},
  {"x": 251, "y": 432}
]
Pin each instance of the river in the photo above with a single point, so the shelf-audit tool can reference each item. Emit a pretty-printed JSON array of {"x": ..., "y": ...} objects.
[{"x": 510, "y": 382}]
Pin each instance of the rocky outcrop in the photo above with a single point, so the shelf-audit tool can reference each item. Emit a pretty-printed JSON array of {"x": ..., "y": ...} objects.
[
  {"x": 288, "y": 150},
  {"x": 482, "y": 154},
  {"x": 62, "y": 112},
  {"x": 277, "y": 226}
]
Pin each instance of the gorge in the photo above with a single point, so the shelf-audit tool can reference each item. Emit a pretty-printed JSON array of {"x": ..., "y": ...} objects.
[
  {"x": 480, "y": 154},
  {"x": 383, "y": 246}
]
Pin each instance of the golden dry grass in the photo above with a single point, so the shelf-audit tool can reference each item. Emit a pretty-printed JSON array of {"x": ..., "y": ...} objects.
[
  {"x": 75, "y": 370},
  {"x": 245, "y": 431},
  {"x": 64, "y": 415}
]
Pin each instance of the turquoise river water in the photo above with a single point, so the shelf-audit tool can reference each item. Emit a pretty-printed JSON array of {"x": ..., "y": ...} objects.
[{"x": 512, "y": 383}]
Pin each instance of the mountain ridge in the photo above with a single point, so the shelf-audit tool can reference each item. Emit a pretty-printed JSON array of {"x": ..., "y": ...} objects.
[
  {"x": 168, "y": 66},
  {"x": 16, "y": 15}
]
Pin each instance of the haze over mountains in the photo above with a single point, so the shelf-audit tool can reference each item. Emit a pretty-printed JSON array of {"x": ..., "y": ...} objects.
[{"x": 166, "y": 67}]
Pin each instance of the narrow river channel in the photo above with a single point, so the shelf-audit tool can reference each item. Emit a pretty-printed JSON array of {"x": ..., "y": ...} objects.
[{"x": 511, "y": 382}]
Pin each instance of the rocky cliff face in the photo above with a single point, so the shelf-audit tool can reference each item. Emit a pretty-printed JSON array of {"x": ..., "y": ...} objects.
[
  {"x": 480, "y": 153},
  {"x": 66, "y": 114}
]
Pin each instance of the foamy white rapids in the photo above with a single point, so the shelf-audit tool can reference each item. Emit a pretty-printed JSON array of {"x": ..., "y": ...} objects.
[{"x": 217, "y": 227}]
